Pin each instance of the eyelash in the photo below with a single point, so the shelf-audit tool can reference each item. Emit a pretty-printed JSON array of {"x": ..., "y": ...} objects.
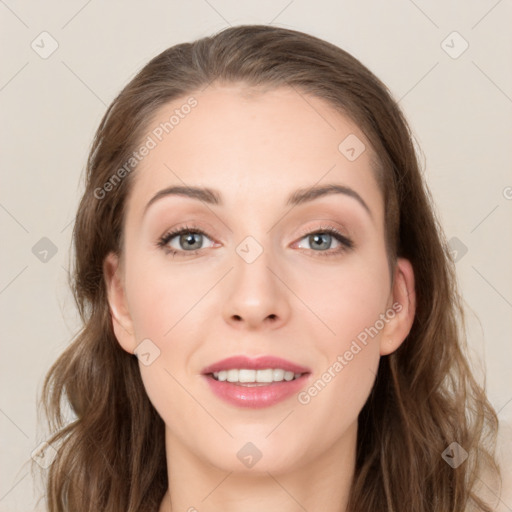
[{"x": 346, "y": 243}]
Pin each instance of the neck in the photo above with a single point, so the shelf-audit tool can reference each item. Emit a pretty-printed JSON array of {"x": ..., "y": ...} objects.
[{"x": 321, "y": 482}]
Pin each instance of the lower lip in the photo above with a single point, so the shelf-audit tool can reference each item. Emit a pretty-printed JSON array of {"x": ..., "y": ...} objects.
[{"x": 256, "y": 397}]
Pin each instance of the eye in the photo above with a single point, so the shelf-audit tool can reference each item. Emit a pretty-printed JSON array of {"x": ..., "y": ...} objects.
[
  {"x": 189, "y": 241},
  {"x": 322, "y": 239}
]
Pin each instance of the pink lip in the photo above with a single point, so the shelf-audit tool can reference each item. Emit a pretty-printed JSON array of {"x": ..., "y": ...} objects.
[
  {"x": 255, "y": 396},
  {"x": 261, "y": 363}
]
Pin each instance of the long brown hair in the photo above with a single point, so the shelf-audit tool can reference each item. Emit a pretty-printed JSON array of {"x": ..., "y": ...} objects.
[{"x": 111, "y": 456}]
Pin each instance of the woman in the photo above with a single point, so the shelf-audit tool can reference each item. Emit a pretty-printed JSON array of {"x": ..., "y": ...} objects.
[{"x": 271, "y": 317}]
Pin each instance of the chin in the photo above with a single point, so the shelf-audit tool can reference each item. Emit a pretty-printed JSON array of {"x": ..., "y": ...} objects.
[{"x": 254, "y": 455}]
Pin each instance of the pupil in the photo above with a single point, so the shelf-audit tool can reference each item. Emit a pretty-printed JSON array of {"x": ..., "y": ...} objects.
[
  {"x": 189, "y": 239},
  {"x": 317, "y": 238}
]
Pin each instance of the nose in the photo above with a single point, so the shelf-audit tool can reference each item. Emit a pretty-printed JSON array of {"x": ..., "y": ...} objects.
[{"x": 257, "y": 296}]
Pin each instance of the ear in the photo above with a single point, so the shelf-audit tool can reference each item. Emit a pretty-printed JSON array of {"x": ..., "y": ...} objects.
[
  {"x": 121, "y": 321},
  {"x": 403, "y": 303}
]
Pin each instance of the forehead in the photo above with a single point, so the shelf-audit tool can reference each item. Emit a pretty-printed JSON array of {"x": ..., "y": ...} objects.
[{"x": 249, "y": 142}]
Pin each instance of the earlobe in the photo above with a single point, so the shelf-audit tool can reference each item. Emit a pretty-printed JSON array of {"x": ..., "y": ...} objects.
[
  {"x": 403, "y": 302},
  {"x": 121, "y": 321}
]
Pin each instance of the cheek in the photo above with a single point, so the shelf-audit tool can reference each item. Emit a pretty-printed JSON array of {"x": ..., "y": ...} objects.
[
  {"x": 345, "y": 299},
  {"x": 351, "y": 306},
  {"x": 160, "y": 306},
  {"x": 159, "y": 299}
]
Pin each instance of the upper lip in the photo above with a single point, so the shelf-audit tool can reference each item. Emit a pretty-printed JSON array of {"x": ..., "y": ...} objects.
[{"x": 260, "y": 363}]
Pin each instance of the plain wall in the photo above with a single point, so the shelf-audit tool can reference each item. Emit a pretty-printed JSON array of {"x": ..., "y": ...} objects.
[{"x": 459, "y": 107}]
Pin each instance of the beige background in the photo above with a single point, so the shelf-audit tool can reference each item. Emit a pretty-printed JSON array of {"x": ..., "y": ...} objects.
[{"x": 459, "y": 107}]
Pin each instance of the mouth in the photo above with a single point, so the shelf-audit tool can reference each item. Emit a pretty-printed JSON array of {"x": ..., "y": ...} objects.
[
  {"x": 250, "y": 378},
  {"x": 255, "y": 383}
]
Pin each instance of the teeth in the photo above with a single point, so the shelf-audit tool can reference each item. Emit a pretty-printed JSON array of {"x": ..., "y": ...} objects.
[
  {"x": 265, "y": 375},
  {"x": 255, "y": 376},
  {"x": 278, "y": 375},
  {"x": 232, "y": 375},
  {"x": 246, "y": 375}
]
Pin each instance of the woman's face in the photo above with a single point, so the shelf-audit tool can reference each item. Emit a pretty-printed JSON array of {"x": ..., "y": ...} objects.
[{"x": 266, "y": 279}]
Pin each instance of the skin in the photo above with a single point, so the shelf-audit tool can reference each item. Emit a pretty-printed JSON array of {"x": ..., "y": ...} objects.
[{"x": 293, "y": 301}]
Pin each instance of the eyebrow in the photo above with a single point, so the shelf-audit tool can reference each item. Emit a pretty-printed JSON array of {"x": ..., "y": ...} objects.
[{"x": 299, "y": 196}]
